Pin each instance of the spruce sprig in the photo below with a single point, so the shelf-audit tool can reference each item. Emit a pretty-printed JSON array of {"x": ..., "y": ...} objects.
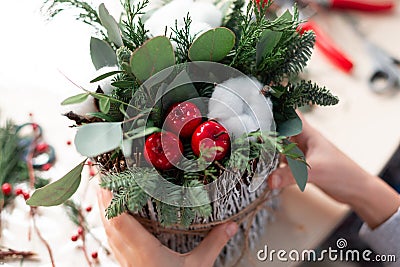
[
  {"x": 183, "y": 39},
  {"x": 301, "y": 94},
  {"x": 87, "y": 13},
  {"x": 134, "y": 33}
]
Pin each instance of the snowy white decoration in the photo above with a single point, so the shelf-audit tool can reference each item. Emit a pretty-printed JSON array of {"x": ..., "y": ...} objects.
[
  {"x": 240, "y": 107},
  {"x": 204, "y": 16},
  {"x": 89, "y": 106}
]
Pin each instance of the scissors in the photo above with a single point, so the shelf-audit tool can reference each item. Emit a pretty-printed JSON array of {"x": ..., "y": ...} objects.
[
  {"x": 386, "y": 74},
  {"x": 386, "y": 68}
]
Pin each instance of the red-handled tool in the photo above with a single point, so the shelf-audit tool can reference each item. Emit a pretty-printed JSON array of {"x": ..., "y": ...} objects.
[
  {"x": 327, "y": 46},
  {"x": 360, "y": 5}
]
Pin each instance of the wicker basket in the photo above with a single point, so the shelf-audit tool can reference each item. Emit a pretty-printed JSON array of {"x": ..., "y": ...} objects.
[{"x": 251, "y": 209}]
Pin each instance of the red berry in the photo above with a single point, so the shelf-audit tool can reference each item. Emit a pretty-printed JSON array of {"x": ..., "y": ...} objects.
[
  {"x": 42, "y": 147},
  {"x": 18, "y": 191},
  {"x": 80, "y": 231},
  {"x": 89, "y": 163},
  {"x": 35, "y": 126},
  {"x": 92, "y": 172},
  {"x": 89, "y": 208},
  {"x": 26, "y": 195},
  {"x": 94, "y": 255},
  {"x": 46, "y": 167},
  {"x": 69, "y": 142},
  {"x": 207, "y": 136},
  {"x": 163, "y": 150},
  {"x": 183, "y": 119},
  {"x": 30, "y": 114},
  {"x": 6, "y": 188},
  {"x": 74, "y": 238}
]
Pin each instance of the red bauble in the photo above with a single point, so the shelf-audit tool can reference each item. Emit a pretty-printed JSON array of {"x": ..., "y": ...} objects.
[
  {"x": 183, "y": 119},
  {"x": 163, "y": 150},
  {"x": 6, "y": 188},
  {"x": 209, "y": 135}
]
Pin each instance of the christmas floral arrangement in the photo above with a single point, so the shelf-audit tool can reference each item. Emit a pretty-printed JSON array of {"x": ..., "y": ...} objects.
[{"x": 191, "y": 107}]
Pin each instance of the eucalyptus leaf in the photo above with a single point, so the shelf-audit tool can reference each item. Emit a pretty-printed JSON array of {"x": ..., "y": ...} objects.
[
  {"x": 268, "y": 41},
  {"x": 290, "y": 127},
  {"x": 102, "y": 54},
  {"x": 104, "y": 104},
  {"x": 60, "y": 191},
  {"x": 105, "y": 75},
  {"x": 111, "y": 25},
  {"x": 213, "y": 45},
  {"x": 298, "y": 168},
  {"x": 96, "y": 138},
  {"x": 153, "y": 56},
  {"x": 76, "y": 99}
]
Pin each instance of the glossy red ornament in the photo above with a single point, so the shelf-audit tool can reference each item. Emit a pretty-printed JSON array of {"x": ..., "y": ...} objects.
[
  {"x": 209, "y": 135},
  {"x": 163, "y": 150},
  {"x": 183, "y": 119}
]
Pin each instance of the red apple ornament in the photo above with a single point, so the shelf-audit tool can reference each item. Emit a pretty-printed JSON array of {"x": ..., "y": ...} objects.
[
  {"x": 207, "y": 136},
  {"x": 183, "y": 119},
  {"x": 163, "y": 150}
]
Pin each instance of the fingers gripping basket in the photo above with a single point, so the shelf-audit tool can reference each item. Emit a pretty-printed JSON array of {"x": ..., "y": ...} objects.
[{"x": 252, "y": 208}]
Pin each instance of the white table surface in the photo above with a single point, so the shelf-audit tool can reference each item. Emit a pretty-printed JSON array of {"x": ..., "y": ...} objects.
[{"x": 34, "y": 53}]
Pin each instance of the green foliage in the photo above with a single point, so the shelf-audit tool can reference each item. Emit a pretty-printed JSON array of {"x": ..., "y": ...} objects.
[
  {"x": 129, "y": 195},
  {"x": 183, "y": 40},
  {"x": 10, "y": 154},
  {"x": 297, "y": 95},
  {"x": 249, "y": 29},
  {"x": 87, "y": 13},
  {"x": 96, "y": 138},
  {"x": 295, "y": 55},
  {"x": 111, "y": 25},
  {"x": 153, "y": 56},
  {"x": 58, "y": 192},
  {"x": 133, "y": 33},
  {"x": 213, "y": 45},
  {"x": 296, "y": 161},
  {"x": 102, "y": 53}
]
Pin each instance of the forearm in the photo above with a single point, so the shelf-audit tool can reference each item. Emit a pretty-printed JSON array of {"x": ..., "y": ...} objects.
[{"x": 374, "y": 201}]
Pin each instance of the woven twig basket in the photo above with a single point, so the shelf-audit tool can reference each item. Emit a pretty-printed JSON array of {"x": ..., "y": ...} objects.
[{"x": 250, "y": 209}]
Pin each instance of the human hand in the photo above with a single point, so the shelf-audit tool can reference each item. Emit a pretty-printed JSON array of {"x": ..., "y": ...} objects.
[
  {"x": 133, "y": 245},
  {"x": 341, "y": 178},
  {"x": 331, "y": 170}
]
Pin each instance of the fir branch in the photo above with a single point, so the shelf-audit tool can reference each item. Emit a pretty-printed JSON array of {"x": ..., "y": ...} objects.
[
  {"x": 294, "y": 59},
  {"x": 133, "y": 33},
  {"x": 187, "y": 216},
  {"x": 87, "y": 13},
  {"x": 183, "y": 39},
  {"x": 301, "y": 94},
  {"x": 168, "y": 215},
  {"x": 248, "y": 34},
  {"x": 118, "y": 204},
  {"x": 234, "y": 19}
]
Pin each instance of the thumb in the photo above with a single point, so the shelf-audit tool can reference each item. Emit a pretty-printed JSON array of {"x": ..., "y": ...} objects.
[
  {"x": 211, "y": 246},
  {"x": 281, "y": 178}
]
